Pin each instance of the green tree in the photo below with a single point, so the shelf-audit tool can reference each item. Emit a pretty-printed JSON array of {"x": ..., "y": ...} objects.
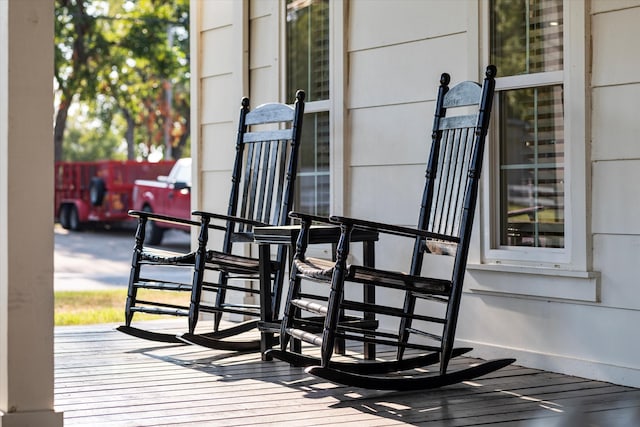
[
  {"x": 80, "y": 51},
  {"x": 88, "y": 139},
  {"x": 151, "y": 86},
  {"x": 141, "y": 73}
]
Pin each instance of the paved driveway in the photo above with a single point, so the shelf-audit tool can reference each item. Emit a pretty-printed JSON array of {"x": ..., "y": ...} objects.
[{"x": 100, "y": 259}]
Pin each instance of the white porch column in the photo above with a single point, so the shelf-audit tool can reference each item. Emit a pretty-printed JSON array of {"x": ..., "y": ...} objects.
[{"x": 26, "y": 214}]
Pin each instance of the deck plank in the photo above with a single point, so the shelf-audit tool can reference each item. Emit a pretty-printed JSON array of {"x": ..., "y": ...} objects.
[{"x": 104, "y": 377}]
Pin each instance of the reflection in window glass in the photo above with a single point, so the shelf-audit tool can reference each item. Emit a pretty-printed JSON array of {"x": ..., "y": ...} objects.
[
  {"x": 307, "y": 64},
  {"x": 527, "y": 38},
  {"x": 313, "y": 175},
  {"x": 532, "y": 167},
  {"x": 308, "y": 48}
]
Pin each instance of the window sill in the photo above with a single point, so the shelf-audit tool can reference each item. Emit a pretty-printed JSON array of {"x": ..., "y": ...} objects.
[{"x": 534, "y": 282}]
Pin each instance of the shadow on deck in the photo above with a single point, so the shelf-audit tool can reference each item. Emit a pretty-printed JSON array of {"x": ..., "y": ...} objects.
[{"x": 103, "y": 377}]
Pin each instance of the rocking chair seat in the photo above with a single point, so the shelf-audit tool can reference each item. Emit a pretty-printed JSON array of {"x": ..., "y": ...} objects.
[
  {"x": 227, "y": 262},
  {"x": 322, "y": 269},
  {"x": 160, "y": 256},
  {"x": 315, "y": 268},
  {"x": 237, "y": 264}
]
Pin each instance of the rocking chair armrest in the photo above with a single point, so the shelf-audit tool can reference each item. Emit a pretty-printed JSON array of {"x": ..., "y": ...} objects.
[
  {"x": 162, "y": 218},
  {"x": 306, "y": 222},
  {"x": 222, "y": 217},
  {"x": 391, "y": 229}
]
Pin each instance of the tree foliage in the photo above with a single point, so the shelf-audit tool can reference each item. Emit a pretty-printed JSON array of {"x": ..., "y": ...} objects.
[
  {"x": 88, "y": 139},
  {"x": 127, "y": 59}
]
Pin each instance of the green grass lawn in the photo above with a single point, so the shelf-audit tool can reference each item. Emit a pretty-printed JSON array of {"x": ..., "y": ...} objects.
[{"x": 90, "y": 307}]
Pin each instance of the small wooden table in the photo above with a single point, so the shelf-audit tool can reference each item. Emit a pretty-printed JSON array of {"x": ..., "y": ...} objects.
[{"x": 318, "y": 234}]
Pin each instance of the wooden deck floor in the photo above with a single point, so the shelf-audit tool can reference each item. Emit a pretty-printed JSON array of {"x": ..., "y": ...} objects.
[{"x": 104, "y": 377}]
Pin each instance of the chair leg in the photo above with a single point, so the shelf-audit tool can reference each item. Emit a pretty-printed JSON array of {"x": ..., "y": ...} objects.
[
  {"x": 340, "y": 345},
  {"x": 405, "y": 323},
  {"x": 289, "y": 309},
  {"x": 331, "y": 323},
  {"x": 278, "y": 281},
  {"x": 448, "y": 335},
  {"x": 132, "y": 291},
  {"x": 196, "y": 293},
  {"x": 198, "y": 275},
  {"x": 335, "y": 297},
  {"x": 221, "y": 296},
  {"x": 134, "y": 275},
  {"x": 130, "y": 303}
]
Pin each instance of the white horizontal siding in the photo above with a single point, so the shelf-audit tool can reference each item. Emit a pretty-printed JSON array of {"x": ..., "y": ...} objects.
[
  {"x": 217, "y": 41},
  {"x": 260, "y": 8},
  {"x": 616, "y": 198},
  {"x": 375, "y": 23},
  {"x": 615, "y": 62},
  {"x": 264, "y": 36},
  {"x": 221, "y": 73},
  {"x": 263, "y": 89},
  {"x": 579, "y": 339},
  {"x": 219, "y": 101},
  {"x": 264, "y": 55},
  {"x": 398, "y": 134},
  {"x": 405, "y": 73},
  {"x": 219, "y": 146},
  {"x": 616, "y": 258},
  {"x": 615, "y": 122},
  {"x": 216, "y": 198},
  {"x": 599, "y": 6},
  {"x": 215, "y": 14},
  {"x": 389, "y": 194}
]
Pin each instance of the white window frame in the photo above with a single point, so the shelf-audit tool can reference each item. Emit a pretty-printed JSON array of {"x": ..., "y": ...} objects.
[
  {"x": 335, "y": 105},
  {"x": 521, "y": 268}
]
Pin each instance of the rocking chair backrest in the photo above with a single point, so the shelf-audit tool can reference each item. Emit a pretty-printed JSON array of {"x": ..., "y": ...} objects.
[
  {"x": 266, "y": 165},
  {"x": 451, "y": 190},
  {"x": 454, "y": 165},
  {"x": 445, "y": 222}
]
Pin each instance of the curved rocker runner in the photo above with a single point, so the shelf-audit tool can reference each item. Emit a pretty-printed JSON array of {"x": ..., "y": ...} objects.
[
  {"x": 422, "y": 382},
  {"x": 364, "y": 367}
]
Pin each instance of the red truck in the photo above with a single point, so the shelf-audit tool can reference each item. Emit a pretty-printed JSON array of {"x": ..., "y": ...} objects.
[
  {"x": 167, "y": 195},
  {"x": 99, "y": 192}
]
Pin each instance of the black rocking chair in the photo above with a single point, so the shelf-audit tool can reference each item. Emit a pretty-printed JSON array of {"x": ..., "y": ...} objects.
[
  {"x": 444, "y": 229},
  {"x": 262, "y": 193}
]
